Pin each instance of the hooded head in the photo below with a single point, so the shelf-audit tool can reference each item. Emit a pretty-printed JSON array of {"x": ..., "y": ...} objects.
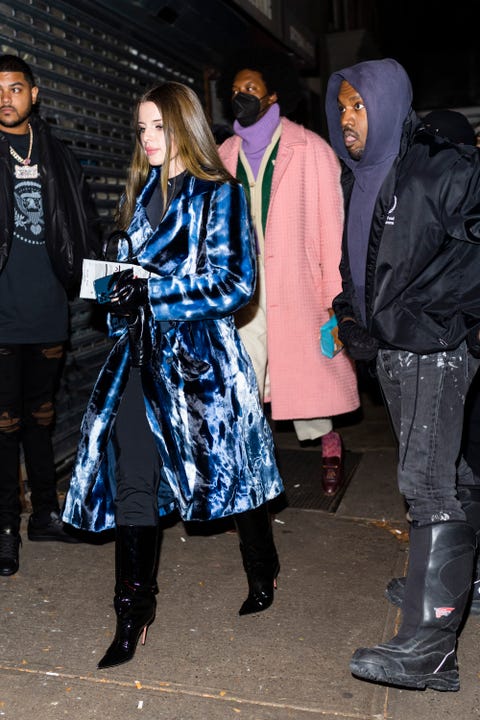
[
  {"x": 382, "y": 89},
  {"x": 386, "y": 92},
  {"x": 452, "y": 125}
]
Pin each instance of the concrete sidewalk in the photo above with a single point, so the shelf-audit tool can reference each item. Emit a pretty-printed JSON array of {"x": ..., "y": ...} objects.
[{"x": 201, "y": 660}]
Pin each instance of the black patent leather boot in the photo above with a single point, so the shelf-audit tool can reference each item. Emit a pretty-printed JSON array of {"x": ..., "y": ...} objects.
[
  {"x": 136, "y": 561},
  {"x": 260, "y": 558}
]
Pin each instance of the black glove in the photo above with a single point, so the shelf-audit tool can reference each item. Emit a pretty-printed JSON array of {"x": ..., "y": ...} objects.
[
  {"x": 126, "y": 293},
  {"x": 358, "y": 343},
  {"x": 473, "y": 342}
]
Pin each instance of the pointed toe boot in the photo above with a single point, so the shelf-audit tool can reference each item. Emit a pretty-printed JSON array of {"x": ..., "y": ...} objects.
[
  {"x": 136, "y": 561},
  {"x": 260, "y": 559}
]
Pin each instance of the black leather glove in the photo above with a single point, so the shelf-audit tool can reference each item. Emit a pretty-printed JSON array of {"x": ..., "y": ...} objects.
[
  {"x": 358, "y": 343},
  {"x": 473, "y": 342},
  {"x": 126, "y": 293}
]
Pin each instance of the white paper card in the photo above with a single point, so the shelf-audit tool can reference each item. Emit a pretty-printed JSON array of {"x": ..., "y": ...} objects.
[{"x": 94, "y": 269}]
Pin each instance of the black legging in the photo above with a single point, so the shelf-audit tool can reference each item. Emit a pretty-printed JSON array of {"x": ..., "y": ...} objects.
[{"x": 139, "y": 466}]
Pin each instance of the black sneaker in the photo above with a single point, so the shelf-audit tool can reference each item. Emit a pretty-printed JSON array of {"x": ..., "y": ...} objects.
[
  {"x": 54, "y": 530},
  {"x": 9, "y": 544}
]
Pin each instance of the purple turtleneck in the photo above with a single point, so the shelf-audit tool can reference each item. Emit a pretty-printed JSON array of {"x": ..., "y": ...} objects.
[{"x": 257, "y": 137}]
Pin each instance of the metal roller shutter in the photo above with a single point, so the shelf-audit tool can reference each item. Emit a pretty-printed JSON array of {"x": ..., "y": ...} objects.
[{"x": 89, "y": 70}]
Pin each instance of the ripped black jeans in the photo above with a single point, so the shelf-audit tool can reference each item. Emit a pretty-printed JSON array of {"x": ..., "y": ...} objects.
[
  {"x": 425, "y": 397},
  {"x": 29, "y": 376}
]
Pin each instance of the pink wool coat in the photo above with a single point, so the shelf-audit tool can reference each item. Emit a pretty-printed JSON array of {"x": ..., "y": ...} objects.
[{"x": 302, "y": 255}]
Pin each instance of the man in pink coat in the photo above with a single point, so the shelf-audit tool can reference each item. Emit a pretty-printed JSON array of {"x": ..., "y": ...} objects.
[{"x": 292, "y": 179}]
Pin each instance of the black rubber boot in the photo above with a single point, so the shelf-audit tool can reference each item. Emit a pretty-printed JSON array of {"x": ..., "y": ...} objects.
[
  {"x": 136, "y": 561},
  {"x": 469, "y": 496},
  {"x": 260, "y": 559},
  {"x": 439, "y": 580}
]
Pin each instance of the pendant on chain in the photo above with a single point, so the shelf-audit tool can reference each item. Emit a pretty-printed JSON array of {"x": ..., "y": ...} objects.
[{"x": 26, "y": 172}]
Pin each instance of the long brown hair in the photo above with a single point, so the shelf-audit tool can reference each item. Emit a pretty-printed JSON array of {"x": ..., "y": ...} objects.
[{"x": 184, "y": 119}]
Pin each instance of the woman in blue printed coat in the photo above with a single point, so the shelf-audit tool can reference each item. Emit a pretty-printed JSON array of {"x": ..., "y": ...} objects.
[{"x": 174, "y": 420}]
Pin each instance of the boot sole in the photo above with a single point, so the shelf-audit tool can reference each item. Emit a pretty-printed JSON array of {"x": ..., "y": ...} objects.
[
  {"x": 7, "y": 573},
  {"x": 445, "y": 682},
  {"x": 54, "y": 538}
]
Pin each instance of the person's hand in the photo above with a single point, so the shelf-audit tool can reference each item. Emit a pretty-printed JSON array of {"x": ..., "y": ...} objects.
[
  {"x": 358, "y": 343},
  {"x": 126, "y": 293}
]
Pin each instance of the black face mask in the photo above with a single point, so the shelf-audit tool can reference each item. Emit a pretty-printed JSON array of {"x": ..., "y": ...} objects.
[{"x": 246, "y": 108}]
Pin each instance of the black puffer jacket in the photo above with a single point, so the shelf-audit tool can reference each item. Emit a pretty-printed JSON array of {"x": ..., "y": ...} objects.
[
  {"x": 423, "y": 264},
  {"x": 72, "y": 228}
]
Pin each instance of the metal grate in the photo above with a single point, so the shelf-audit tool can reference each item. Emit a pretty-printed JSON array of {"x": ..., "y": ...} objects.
[{"x": 301, "y": 474}]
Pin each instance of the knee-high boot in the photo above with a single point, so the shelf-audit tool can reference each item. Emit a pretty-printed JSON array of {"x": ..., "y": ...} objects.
[
  {"x": 439, "y": 578},
  {"x": 469, "y": 496},
  {"x": 260, "y": 559},
  {"x": 136, "y": 563}
]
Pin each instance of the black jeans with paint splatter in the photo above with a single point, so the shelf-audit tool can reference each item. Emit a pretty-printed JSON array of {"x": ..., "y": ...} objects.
[{"x": 425, "y": 397}]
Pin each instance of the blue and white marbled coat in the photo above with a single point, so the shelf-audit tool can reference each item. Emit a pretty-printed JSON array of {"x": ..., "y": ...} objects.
[{"x": 199, "y": 386}]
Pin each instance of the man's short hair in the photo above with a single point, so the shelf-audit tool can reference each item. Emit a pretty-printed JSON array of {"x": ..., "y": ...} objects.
[{"x": 13, "y": 63}]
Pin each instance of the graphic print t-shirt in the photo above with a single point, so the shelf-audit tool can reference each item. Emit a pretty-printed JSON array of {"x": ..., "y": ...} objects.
[{"x": 33, "y": 303}]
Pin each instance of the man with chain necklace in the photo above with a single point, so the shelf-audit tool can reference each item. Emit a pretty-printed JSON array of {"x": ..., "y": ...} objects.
[{"x": 48, "y": 225}]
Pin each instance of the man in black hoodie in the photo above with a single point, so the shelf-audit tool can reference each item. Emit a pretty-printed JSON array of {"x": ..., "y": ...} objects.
[
  {"x": 411, "y": 301},
  {"x": 48, "y": 225},
  {"x": 455, "y": 126}
]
